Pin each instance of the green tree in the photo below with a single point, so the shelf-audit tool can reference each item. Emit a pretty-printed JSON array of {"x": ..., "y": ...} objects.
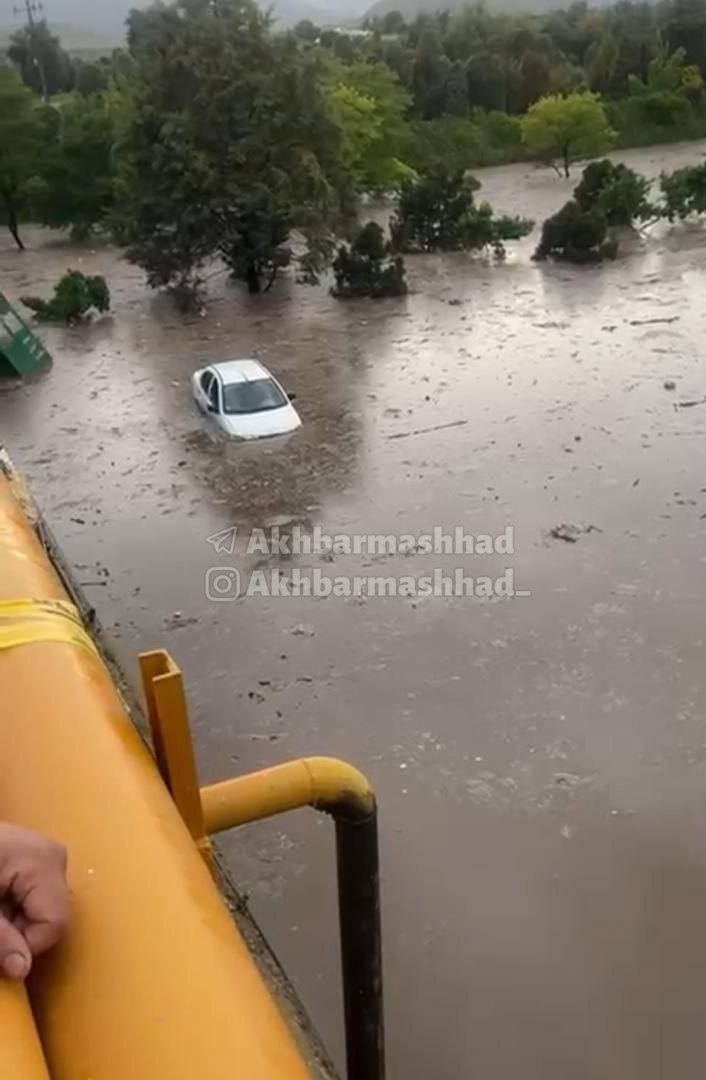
[
  {"x": 306, "y": 30},
  {"x": 74, "y": 297},
  {"x": 365, "y": 268},
  {"x": 576, "y": 235},
  {"x": 19, "y": 145},
  {"x": 92, "y": 77},
  {"x": 228, "y": 141},
  {"x": 74, "y": 184},
  {"x": 621, "y": 194},
  {"x": 368, "y": 105},
  {"x": 684, "y": 192},
  {"x": 40, "y": 59},
  {"x": 439, "y": 213},
  {"x": 566, "y": 128}
]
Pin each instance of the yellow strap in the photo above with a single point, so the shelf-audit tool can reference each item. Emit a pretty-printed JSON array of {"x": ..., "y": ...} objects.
[{"x": 27, "y": 621}]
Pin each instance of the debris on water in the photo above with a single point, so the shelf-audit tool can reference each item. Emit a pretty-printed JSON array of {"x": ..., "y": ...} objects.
[
  {"x": 669, "y": 384},
  {"x": 427, "y": 430},
  {"x": 454, "y": 302},
  {"x": 636, "y": 482},
  {"x": 653, "y": 322},
  {"x": 571, "y": 533},
  {"x": 177, "y": 620},
  {"x": 689, "y": 404},
  {"x": 78, "y": 520},
  {"x": 300, "y": 630}
]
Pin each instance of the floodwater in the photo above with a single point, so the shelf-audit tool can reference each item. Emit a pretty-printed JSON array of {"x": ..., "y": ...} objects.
[{"x": 540, "y": 761}]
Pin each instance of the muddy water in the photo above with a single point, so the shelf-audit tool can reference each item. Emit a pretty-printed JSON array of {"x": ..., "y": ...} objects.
[{"x": 540, "y": 761}]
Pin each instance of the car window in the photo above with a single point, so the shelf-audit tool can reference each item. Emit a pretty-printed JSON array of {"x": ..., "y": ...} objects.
[
  {"x": 213, "y": 395},
  {"x": 206, "y": 380},
  {"x": 250, "y": 397}
]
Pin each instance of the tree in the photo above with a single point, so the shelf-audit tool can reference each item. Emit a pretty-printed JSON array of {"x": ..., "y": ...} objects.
[
  {"x": 19, "y": 144},
  {"x": 368, "y": 104},
  {"x": 74, "y": 297},
  {"x": 576, "y": 235},
  {"x": 621, "y": 194},
  {"x": 684, "y": 192},
  {"x": 40, "y": 59},
  {"x": 566, "y": 128},
  {"x": 228, "y": 146},
  {"x": 438, "y": 213},
  {"x": 364, "y": 267},
  {"x": 306, "y": 30},
  {"x": 74, "y": 184},
  {"x": 92, "y": 77},
  {"x": 664, "y": 98}
]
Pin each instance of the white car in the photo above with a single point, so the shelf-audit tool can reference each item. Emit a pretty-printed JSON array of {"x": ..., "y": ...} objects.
[{"x": 244, "y": 399}]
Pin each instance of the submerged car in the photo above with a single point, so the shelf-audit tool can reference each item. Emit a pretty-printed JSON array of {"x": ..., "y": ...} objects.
[{"x": 244, "y": 399}]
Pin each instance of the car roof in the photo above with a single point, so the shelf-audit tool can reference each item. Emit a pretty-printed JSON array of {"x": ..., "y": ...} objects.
[{"x": 236, "y": 371}]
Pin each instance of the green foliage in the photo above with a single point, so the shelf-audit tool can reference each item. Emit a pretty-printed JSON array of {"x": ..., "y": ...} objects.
[
  {"x": 228, "y": 144},
  {"x": 684, "y": 192},
  {"x": 40, "y": 59},
  {"x": 368, "y": 104},
  {"x": 438, "y": 213},
  {"x": 621, "y": 194},
  {"x": 566, "y": 128},
  {"x": 74, "y": 184},
  {"x": 19, "y": 146},
  {"x": 364, "y": 267},
  {"x": 255, "y": 245},
  {"x": 576, "y": 235},
  {"x": 74, "y": 297},
  {"x": 92, "y": 77}
]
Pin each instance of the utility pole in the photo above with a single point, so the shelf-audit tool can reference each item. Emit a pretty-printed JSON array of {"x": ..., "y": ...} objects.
[{"x": 30, "y": 9}]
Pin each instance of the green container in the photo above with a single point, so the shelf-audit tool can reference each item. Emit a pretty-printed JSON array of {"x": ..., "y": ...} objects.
[{"x": 20, "y": 348}]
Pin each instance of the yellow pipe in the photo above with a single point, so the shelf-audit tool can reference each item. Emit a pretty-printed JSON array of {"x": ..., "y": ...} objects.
[
  {"x": 153, "y": 979},
  {"x": 320, "y": 782},
  {"x": 21, "y": 1056}
]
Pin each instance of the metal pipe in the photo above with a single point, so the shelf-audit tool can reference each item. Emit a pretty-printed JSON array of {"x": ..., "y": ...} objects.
[
  {"x": 21, "y": 1055},
  {"x": 153, "y": 979},
  {"x": 340, "y": 790}
]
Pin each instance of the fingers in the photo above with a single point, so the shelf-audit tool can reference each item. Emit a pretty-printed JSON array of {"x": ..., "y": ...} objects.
[
  {"x": 34, "y": 899},
  {"x": 15, "y": 951},
  {"x": 45, "y": 912}
]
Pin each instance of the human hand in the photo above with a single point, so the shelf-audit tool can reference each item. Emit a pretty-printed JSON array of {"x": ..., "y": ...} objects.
[{"x": 34, "y": 898}]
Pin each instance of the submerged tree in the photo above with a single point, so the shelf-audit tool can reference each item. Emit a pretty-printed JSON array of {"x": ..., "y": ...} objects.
[
  {"x": 566, "y": 127},
  {"x": 74, "y": 297},
  {"x": 620, "y": 193},
  {"x": 365, "y": 267},
  {"x": 438, "y": 213},
  {"x": 576, "y": 235},
  {"x": 228, "y": 149},
  {"x": 684, "y": 192}
]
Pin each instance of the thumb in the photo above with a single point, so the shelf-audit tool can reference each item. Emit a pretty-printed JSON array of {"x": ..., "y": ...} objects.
[{"x": 15, "y": 956}]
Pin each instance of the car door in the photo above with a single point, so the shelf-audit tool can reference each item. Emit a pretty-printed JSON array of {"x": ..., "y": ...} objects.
[
  {"x": 214, "y": 399},
  {"x": 204, "y": 383}
]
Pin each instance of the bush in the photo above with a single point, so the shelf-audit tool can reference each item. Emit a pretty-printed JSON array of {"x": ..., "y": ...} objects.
[
  {"x": 364, "y": 267},
  {"x": 576, "y": 235},
  {"x": 684, "y": 192},
  {"x": 73, "y": 298},
  {"x": 438, "y": 213},
  {"x": 617, "y": 191}
]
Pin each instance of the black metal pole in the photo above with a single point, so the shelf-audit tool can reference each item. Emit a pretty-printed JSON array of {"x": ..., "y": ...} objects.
[{"x": 361, "y": 942}]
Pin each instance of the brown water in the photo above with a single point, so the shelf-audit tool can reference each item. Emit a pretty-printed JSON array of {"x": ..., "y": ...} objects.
[{"x": 540, "y": 762}]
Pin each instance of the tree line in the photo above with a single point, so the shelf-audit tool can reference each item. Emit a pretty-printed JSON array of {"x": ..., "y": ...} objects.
[{"x": 213, "y": 135}]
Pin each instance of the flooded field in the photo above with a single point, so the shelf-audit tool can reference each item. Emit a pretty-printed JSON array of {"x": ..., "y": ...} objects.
[{"x": 540, "y": 761}]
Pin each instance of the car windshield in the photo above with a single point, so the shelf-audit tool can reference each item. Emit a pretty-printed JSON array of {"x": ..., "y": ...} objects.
[{"x": 251, "y": 397}]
